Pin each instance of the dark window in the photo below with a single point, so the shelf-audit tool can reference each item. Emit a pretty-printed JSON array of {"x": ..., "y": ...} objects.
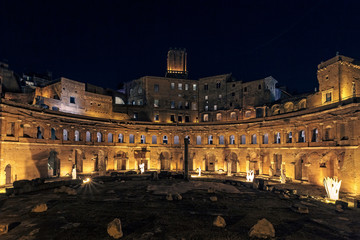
[
  {"x": 233, "y": 85},
  {"x": 259, "y": 87},
  {"x": 172, "y": 118},
  {"x": 245, "y": 89},
  {"x": 179, "y": 118},
  {"x": 156, "y": 87},
  {"x": 72, "y": 100},
  {"x": 187, "y": 119},
  {"x": 233, "y": 94},
  {"x": 218, "y": 85},
  {"x": 259, "y": 112},
  {"x": 328, "y": 97},
  {"x": 206, "y": 87},
  {"x": 55, "y": 108},
  {"x": 136, "y": 115},
  {"x": 231, "y": 104}
]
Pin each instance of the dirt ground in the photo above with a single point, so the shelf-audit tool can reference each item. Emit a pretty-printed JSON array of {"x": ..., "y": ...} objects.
[{"x": 145, "y": 213}]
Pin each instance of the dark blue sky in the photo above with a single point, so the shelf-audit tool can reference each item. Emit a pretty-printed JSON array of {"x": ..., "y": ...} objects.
[{"x": 107, "y": 42}]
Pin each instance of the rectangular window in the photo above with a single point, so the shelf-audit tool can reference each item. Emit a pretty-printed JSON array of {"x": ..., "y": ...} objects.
[
  {"x": 215, "y": 107},
  {"x": 156, "y": 117},
  {"x": 193, "y": 106},
  {"x": 187, "y": 106},
  {"x": 156, "y": 87},
  {"x": 206, "y": 97},
  {"x": 328, "y": 97},
  {"x": 206, "y": 108},
  {"x": 172, "y": 118},
  {"x": 194, "y": 87},
  {"x": 72, "y": 100},
  {"x": 179, "y": 118},
  {"x": 180, "y": 86},
  {"x": 187, "y": 119},
  {"x": 172, "y": 104},
  {"x": 186, "y": 86},
  {"x": 233, "y": 94},
  {"x": 172, "y": 85},
  {"x": 206, "y": 86},
  {"x": 245, "y": 89},
  {"x": 218, "y": 85},
  {"x": 180, "y": 105},
  {"x": 220, "y": 96},
  {"x": 10, "y": 129},
  {"x": 156, "y": 102}
]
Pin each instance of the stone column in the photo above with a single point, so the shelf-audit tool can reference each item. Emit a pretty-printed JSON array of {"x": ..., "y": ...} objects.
[{"x": 228, "y": 168}]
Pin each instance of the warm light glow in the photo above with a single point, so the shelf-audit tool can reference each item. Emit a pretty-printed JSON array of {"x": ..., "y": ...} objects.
[
  {"x": 142, "y": 168},
  {"x": 332, "y": 187},
  {"x": 250, "y": 176},
  {"x": 87, "y": 180},
  {"x": 199, "y": 171}
]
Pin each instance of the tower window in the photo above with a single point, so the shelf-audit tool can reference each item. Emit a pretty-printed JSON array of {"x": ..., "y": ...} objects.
[
  {"x": 72, "y": 100},
  {"x": 206, "y": 86}
]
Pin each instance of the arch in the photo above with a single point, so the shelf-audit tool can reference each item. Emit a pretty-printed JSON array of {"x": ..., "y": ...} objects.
[
  {"x": 65, "y": 135},
  {"x": 328, "y": 135},
  {"x": 302, "y": 136},
  {"x": 218, "y": 117},
  {"x": 110, "y": 137},
  {"x": 121, "y": 138},
  {"x": 76, "y": 136},
  {"x": 277, "y": 138},
  {"x": 302, "y": 104},
  {"x": 210, "y": 140},
  {"x": 266, "y": 138},
  {"x": 254, "y": 139},
  {"x": 118, "y": 100},
  {"x": 289, "y": 137},
  {"x": 154, "y": 139},
  {"x": 243, "y": 139},
  {"x": 88, "y": 136},
  {"x": 8, "y": 174},
  {"x": 27, "y": 131},
  {"x": 275, "y": 109},
  {"x": 131, "y": 138},
  {"x": 98, "y": 137},
  {"x": 315, "y": 135},
  {"x": 289, "y": 107},
  {"x": 234, "y": 162},
  {"x": 233, "y": 115},
  {"x": 40, "y": 132},
  {"x": 53, "y": 164},
  {"x": 165, "y": 161},
  {"x": 100, "y": 163},
  {"x": 221, "y": 140},
  {"x": 206, "y": 117},
  {"x": 142, "y": 139},
  {"x": 165, "y": 139},
  {"x": 232, "y": 139},
  {"x": 198, "y": 140},
  {"x": 176, "y": 140}
]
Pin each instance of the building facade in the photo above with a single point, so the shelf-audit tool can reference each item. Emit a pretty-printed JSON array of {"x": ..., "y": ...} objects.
[{"x": 310, "y": 136}]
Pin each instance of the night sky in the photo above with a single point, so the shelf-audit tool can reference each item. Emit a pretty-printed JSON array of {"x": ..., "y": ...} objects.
[{"x": 108, "y": 42}]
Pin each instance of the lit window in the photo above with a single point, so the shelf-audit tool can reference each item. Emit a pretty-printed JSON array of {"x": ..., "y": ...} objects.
[
  {"x": 210, "y": 140},
  {"x": 215, "y": 107},
  {"x": 206, "y": 97},
  {"x": 221, "y": 140},
  {"x": 131, "y": 138},
  {"x": 180, "y": 86},
  {"x": 110, "y": 138},
  {"x": 186, "y": 86},
  {"x": 220, "y": 96},
  {"x": 198, "y": 140},
  {"x": 206, "y": 108},
  {"x": 172, "y": 104},
  {"x": 232, "y": 139},
  {"x": 266, "y": 138},
  {"x": 156, "y": 102},
  {"x": 194, "y": 87},
  {"x": 65, "y": 135},
  {"x": 77, "y": 136},
  {"x": 156, "y": 117},
  {"x": 172, "y": 85},
  {"x": 218, "y": 117},
  {"x": 277, "y": 138},
  {"x": 165, "y": 140},
  {"x": 176, "y": 140},
  {"x": 206, "y": 117},
  {"x": 99, "y": 137},
  {"x": 121, "y": 138},
  {"x": 142, "y": 139}
]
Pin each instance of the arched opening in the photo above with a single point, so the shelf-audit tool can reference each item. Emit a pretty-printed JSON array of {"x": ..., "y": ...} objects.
[
  {"x": 88, "y": 136},
  {"x": 221, "y": 140},
  {"x": 77, "y": 136},
  {"x": 253, "y": 139},
  {"x": 165, "y": 161},
  {"x": 142, "y": 139},
  {"x": 265, "y": 138},
  {"x": 121, "y": 138},
  {"x": 8, "y": 174},
  {"x": 40, "y": 133},
  {"x": 154, "y": 139},
  {"x": 232, "y": 139},
  {"x": 243, "y": 139},
  {"x": 110, "y": 137},
  {"x": 302, "y": 136},
  {"x": 131, "y": 138},
  {"x": 198, "y": 140},
  {"x": 98, "y": 137},
  {"x": 53, "y": 134},
  {"x": 176, "y": 140},
  {"x": 234, "y": 162},
  {"x": 210, "y": 140},
  {"x": 65, "y": 135},
  {"x": 165, "y": 139}
]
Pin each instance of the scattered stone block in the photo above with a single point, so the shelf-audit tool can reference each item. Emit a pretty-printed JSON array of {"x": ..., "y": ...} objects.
[
  {"x": 39, "y": 208},
  {"x": 219, "y": 222},
  {"x": 178, "y": 197},
  {"x": 300, "y": 209},
  {"x": 114, "y": 229},
  {"x": 213, "y": 198},
  {"x": 262, "y": 229},
  {"x": 4, "y": 228},
  {"x": 169, "y": 197},
  {"x": 211, "y": 190},
  {"x": 342, "y": 204}
]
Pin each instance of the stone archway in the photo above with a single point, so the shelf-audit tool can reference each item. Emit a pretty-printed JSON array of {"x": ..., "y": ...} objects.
[
  {"x": 8, "y": 174},
  {"x": 165, "y": 161}
]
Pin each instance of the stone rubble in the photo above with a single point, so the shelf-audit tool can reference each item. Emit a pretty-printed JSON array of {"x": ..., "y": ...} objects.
[
  {"x": 262, "y": 229},
  {"x": 219, "y": 222},
  {"x": 114, "y": 229},
  {"x": 40, "y": 208}
]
